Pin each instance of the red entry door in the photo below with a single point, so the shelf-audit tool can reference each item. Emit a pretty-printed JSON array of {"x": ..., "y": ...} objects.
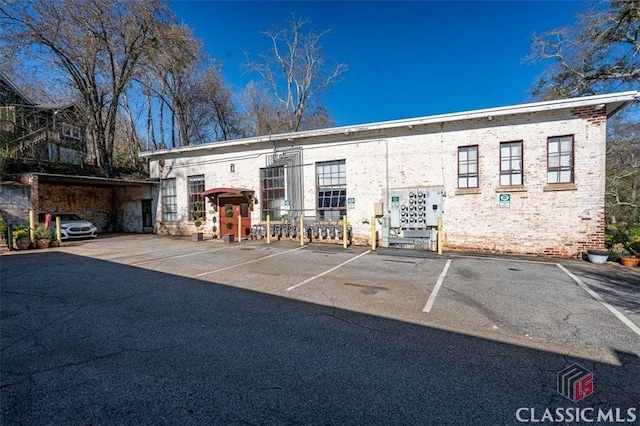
[{"x": 238, "y": 207}]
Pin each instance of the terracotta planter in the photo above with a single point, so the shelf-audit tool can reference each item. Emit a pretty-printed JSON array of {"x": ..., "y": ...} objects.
[
  {"x": 42, "y": 243},
  {"x": 630, "y": 261}
]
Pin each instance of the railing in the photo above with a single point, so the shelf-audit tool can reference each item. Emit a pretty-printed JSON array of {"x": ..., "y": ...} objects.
[{"x": 312, "y": 231}]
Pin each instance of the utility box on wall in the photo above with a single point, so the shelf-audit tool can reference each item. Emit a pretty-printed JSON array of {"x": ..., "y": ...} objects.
[{"x": 415, "y": 208}]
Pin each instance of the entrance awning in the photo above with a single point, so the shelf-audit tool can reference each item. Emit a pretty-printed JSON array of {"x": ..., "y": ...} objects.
[{"x": 214, "y": 194}]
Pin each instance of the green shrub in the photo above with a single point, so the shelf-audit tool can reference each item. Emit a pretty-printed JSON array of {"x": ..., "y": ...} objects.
[
  {"x": 20, "y": 233},
  {"x": 3, "y": 226},
  {"x": 627, "y": 235},
  {"x": 229, "y": 213},
  {"x": 197, "y": 214},
  {"x": 41, "y": 232},
  {"x": 229, "y": 225}
]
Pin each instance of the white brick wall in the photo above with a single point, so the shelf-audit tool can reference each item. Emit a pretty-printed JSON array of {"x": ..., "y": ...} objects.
[{"x": 538, "y": 221}]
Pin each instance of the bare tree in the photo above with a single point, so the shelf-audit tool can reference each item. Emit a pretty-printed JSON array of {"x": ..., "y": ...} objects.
[
  {"x": 623, "y": 172},
  {"x": 98, "y": 43},
  {"x": 260, "y": 113},
  {"x": 183, "y": 79},
  {"x": 601, "y": 52},
  {"x": 296, "y": 70}
]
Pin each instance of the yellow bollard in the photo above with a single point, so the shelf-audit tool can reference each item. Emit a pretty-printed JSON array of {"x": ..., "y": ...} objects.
[
  {"x": 32, "y": 226},
  {"x": 373, "y": 233},
  {"x": 239, "y": 227},
  {"x": 439, "y": 240},
  {"x": 344, "y": 231},
  {"x": 268, "y": 229},
  {"x": 301, "y": 230},
  {"x": 58, "y": 230}
]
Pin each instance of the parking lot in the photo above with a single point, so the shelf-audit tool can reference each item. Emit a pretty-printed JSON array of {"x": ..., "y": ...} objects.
[
  {"x": 517, "y": 299},
  {"x": 564, "y": 309}
]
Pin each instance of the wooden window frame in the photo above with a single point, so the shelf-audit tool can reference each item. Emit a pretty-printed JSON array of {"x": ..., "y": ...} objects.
[
  {"x": 511, "y": 171},
  {"x": 468, "y": 175},
  {"x": 559, "y": 168}
]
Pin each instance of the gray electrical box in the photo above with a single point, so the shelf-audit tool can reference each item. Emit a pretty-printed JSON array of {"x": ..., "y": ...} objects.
[{"x": 415, "y": 208}]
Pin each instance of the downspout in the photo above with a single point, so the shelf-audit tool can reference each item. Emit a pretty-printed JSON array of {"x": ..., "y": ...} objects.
[{"x": 386, "y": 144}]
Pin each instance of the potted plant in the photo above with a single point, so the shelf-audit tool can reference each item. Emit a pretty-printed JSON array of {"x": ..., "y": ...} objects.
[
  {"x": 228, "y": 237},
  {"x": 197, "y": 216},
  {"x": 629, "y": 259},
  {"x": 616, "y": 252},
  {"x": 598, "y": 256},
  {"x": 3, "y": 229},
  {"x": 21, "y": 237},
  {"x": 42, "y": 236}
]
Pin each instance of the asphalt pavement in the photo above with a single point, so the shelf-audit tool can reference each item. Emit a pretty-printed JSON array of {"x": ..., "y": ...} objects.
[{"x": 132, "y": 332}]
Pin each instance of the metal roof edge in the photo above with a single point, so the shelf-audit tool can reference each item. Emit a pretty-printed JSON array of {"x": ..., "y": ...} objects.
[
  {"x": 92, "y": 178},
  {"x": 619, "y": 97},
  {"x": 15, "y": 88}
]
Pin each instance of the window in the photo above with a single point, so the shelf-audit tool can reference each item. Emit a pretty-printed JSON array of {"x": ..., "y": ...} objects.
[
  {"x": 511, "y": 163},
  {"x": 273, "y": 193},
  {"x": 169, "y": 201},
  {"x": 8, "y": 113},
  {"x": 331, "y": 183},
  {"x": 72, "y": 132},
  {"x": 560, "y": 159},
  {"x": 468, "y": 166},
  {"x": 196, "y": 186}
]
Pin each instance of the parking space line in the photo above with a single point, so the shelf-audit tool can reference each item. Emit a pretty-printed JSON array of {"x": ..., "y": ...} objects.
[
  {"x": 597, "y": 297},
  {"x": 177, "y": 256},
  {"x": 327, "y": 271},
  {"x": 248, "y": 262},
  {"x": 434, "y": 293},
  {"x": 504, "y": 259}
]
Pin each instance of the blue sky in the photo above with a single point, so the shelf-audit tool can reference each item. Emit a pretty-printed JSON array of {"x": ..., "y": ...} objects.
[{"x": 406, "y": 59}]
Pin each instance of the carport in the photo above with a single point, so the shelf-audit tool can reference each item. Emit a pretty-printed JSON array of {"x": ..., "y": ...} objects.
[{"x": 121, "y": 205}]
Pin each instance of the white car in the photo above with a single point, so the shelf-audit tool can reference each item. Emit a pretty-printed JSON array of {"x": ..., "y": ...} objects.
[{"x": 71, "y": 225}]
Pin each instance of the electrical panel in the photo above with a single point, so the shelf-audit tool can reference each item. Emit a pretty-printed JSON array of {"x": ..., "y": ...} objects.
[{"x": 415, "y": 208}]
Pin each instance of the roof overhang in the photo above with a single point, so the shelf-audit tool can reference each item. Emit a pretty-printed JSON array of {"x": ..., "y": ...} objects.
[
  {"x": 214, "y": 194},
  {"x": 613, "y": 102},
  {"x": 49, "y": 178}
]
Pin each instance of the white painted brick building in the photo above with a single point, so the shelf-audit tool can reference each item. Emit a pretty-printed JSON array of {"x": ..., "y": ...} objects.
[{"x": 547, "y": 158}]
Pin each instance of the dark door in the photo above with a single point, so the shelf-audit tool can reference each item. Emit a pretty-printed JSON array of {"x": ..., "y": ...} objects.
[{"x": 147, "y": 218}]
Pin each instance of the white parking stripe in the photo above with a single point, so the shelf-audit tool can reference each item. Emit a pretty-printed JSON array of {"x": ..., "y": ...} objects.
[
  {"x": 597, "y": 297},
  {"x": 434, "y": 293},
  {"x": 326, "y": 272},
  {"x": 250, "y": 261},
  {"x": 177, "y": 256},
  {"x": 503, "y": 259}
]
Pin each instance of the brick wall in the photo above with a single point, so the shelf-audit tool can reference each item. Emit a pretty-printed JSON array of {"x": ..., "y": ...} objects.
[
  {"x": 542, "y": 219},
  {"x": 94, "y": 204}
]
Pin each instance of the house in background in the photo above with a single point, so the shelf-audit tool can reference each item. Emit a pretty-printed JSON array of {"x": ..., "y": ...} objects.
[
  {"x": 527, "y": 179},
  {"x": 51, "y": 148},
  {"x": 39, "y": 132}
]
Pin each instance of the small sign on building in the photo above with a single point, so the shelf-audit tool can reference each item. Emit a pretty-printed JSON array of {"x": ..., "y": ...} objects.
[
  {"x": 395, "y": 202},
  {"x": 287, "y": 204},
  {"x": 351, "y": 203},
  {"x": 505, "y": 200}
]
